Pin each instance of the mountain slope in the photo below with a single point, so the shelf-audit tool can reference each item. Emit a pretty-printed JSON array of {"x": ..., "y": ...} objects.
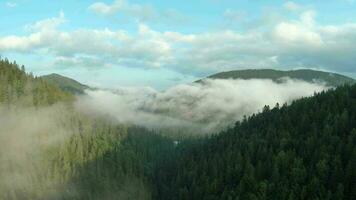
[
  {"x": 65, "y": 83},
  {"x": 330, "y": 79},
  {"x": 303, "y": 151},
  {"x": 55, "y": 151}
]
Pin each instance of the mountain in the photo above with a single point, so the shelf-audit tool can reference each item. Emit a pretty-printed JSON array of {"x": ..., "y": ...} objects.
[
  {"x": 331, "y": 79},
  {"x": 306, "y": 150},
  {"x": 65, "y": 83}
]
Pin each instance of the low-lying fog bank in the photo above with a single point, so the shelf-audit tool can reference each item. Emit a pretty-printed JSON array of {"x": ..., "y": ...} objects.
[{"x": 204, "y": 107}]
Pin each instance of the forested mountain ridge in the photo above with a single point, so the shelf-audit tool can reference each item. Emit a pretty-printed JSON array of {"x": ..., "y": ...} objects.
[
  {"x": 306, "y": 150},
  {"x": 65, "y": 83},
  {"x": 331, "y": 79}
]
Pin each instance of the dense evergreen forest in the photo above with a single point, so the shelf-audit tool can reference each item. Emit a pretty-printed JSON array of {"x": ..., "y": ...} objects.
[
  {"x": 305, "y": 150},
  {"x": 48, "y": 150}
]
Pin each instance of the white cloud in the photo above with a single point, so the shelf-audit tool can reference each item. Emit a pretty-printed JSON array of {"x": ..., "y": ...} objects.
[
  {"x": 43, "y": 34},
  {"x": 299, "y": 32},
  {"x": 21, "y": 44},
  {"x": 206, "y": 107},
  {"x": 48, "y": 24},
  {"x": 284, "y": 44}
]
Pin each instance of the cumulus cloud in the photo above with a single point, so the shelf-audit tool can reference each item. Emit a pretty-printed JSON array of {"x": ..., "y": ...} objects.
[
  {"x": 301, "y": 32},
  {"x": 285, "y": 43},
  {"x": 43, "y": 35},
  {"x": 198, "y": 107}
]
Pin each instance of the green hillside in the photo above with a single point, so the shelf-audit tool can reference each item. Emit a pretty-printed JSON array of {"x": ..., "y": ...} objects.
[
  {"x": 306, "y": 150},
  {"x": 65, "y": 83},
  {"x": 330, "y": 79},
  {"x": 49, "y": 150}
]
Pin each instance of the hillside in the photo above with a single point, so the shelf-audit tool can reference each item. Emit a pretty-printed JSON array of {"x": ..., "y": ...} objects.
[
  {"x": 50, "y": 150},
  {"x": 331, "y": 79},
  {"x": 303, "y": 151},
  {"x": 65, "y": 83}
]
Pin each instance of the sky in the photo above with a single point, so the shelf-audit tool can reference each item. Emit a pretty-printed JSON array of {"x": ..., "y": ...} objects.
[{"x": 159, "y": 44}]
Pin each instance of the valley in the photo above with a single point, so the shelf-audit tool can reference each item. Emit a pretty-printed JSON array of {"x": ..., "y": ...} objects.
[{"x": 51, "y": 148}]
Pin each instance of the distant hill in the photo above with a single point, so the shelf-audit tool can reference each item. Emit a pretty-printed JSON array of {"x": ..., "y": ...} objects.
[
  {"x": 331, "y": 79},
  {"x": 65, "y": 83}
]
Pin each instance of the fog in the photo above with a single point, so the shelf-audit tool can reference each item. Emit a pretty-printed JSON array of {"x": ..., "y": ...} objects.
[
  {"x": 26, "y": 137},
  {"x": 41, "y": 150},
  {"x": 200, "y": 107}
]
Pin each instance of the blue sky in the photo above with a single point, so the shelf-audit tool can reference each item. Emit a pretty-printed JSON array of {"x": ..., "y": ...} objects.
[{"x": 113, "y": 43}]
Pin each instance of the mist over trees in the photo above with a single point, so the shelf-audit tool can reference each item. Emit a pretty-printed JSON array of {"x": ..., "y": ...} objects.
[
  {"x": 50, "y": 149},
  {"x": 208, "y": 106},
  {"x": 303, "y": 151}
]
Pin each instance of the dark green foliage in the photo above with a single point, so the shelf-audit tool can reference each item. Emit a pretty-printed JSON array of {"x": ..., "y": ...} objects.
[
  {"x": 136, "y": 156},
  {"x": 109, "y": 162},
  {"x": 303, "y": 151},
  {"x": 65, "y": 83},
  {"x": 330, "y": 79}
]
